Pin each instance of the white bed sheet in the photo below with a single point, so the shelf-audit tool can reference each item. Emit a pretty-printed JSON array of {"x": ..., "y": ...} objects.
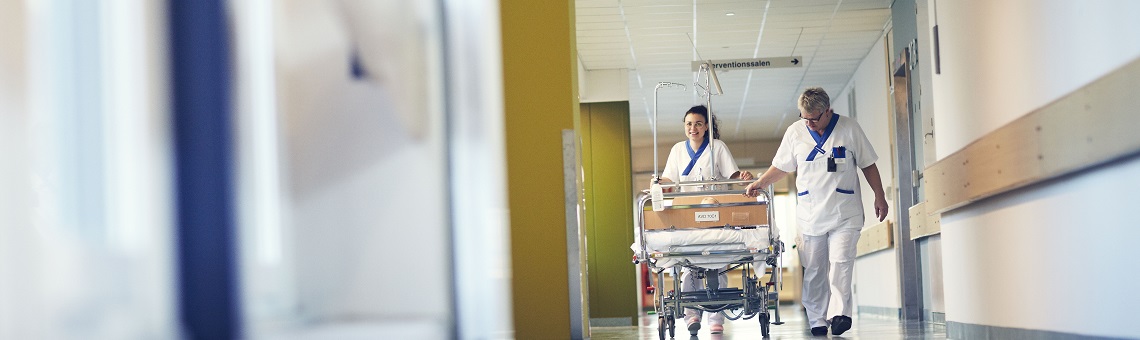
[{"x": 701, "y": 240}]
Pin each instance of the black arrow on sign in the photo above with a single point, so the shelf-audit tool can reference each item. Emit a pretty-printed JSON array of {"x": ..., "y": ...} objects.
[{"x": 795, "y": 61}]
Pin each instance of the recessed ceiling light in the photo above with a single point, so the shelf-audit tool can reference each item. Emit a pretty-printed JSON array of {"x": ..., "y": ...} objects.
[{"x": 729, "y": 13}]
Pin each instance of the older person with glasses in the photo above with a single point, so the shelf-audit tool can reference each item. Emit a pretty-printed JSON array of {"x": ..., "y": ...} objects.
[{"x": 825, "y": 151}]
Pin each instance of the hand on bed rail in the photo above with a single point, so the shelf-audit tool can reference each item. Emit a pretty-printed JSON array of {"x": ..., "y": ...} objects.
[
  {"x": 753, "y": 190},
  {"x": 742, "y": 175},
  {"x": 769, "y": 177}
]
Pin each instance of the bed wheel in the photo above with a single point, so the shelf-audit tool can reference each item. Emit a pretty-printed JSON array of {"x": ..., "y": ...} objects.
[{"x": 764, "y": 324}]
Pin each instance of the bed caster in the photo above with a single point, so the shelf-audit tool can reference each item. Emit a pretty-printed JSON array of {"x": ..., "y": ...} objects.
[
  {"x": 665, "y": 326},
  {"x": 764, "y": 325}
]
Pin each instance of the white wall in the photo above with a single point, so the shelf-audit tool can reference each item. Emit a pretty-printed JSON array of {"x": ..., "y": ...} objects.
[
  {"x": 365, "y": 241},
  {"x": 1003, "y": 59},
  {"x": 1056, "y": 255},
  {"x": 14, "y": 171},
  {"x": 876, "y": 275},
  {"x": 367, "y": 200},
  {"x": 86, "y": 223},
  {"x": 596, "y": 86},
  {"x": 1048, "y": 257},
  {"x": 876, "y": 280}
]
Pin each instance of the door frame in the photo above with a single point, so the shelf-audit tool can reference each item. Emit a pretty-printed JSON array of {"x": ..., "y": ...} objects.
[{"x": 906, "y": 250}]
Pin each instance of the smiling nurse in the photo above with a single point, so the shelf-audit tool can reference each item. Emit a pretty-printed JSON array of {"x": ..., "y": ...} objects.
[{"x": 692, "y": 160}]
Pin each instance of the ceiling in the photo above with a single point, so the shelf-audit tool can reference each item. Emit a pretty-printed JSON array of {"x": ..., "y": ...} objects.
[{"x": 654, "y": 40}]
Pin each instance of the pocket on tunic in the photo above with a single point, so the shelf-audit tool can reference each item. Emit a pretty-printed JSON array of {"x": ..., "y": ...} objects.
[
  {"x": 850, "y": 205},
  {"x": 803, "y": 205},
  {"x": 848, "y": 179}
]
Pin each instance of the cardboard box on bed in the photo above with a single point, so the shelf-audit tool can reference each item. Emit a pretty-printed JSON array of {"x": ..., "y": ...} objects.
[{"x": 679, "y": 217}]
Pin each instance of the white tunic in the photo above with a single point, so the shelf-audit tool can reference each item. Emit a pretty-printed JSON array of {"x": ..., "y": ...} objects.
[
  {"x": 826, "y": 199},
  {"x": 679, "y": 159}
]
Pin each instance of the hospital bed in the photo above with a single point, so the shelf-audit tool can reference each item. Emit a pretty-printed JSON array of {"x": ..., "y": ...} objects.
[{"x": 708, "y": 232}]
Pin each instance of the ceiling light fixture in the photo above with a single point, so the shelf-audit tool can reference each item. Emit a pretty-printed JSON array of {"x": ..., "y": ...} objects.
[{"x": 729, "y": 13}]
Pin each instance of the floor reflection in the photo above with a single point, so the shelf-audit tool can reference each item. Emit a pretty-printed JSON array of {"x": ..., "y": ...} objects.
[{"x": 795, "y": 327}]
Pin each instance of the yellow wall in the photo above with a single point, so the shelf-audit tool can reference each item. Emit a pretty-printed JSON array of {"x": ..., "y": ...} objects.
[
  {"x": 540, "y": 98},
  {"x": 609, "y": 210}
]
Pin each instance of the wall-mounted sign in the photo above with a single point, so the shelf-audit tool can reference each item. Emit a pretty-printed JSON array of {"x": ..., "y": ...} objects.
[{"x": 734, "y": 64}]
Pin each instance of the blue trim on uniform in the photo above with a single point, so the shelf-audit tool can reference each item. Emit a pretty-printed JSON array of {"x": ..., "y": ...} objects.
[
  {"x": 694, "y": 155},
  {"x": 819, "y": 140},
  {"x": 206, "y": 235},
  {"x": 849, "y": 192},
  {"x": 805, "y": 192}
]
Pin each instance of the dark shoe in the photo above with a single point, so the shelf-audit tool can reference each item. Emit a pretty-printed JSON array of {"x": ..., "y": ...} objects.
[
  {"x": 694, "y": 327},
  {"x": 840, "y": 324},
  {"x": 819, "y": 331}
]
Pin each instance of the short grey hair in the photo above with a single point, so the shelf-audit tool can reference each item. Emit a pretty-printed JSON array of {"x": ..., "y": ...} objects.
[{"x": 814, "y": 99}]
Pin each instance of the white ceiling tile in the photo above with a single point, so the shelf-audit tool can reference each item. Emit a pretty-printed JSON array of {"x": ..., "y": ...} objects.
[{"x": 832, "y": 41}]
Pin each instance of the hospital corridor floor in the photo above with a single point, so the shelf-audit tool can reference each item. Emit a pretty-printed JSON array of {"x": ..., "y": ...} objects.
[{"x": 795, "y": 327}]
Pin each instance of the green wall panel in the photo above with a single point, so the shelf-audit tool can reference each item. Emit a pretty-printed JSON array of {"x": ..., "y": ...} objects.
[
  {"x": 609, "y": 210},
  {"x": 539, "y": 101}
]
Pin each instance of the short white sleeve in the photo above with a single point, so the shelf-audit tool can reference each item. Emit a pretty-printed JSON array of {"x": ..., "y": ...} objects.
[
  {"x": 671, "y": 163},
  {"x": 724, "y": 160},
  {"x": 785, "y": 159},
  {"x": 865, "y": 155}
]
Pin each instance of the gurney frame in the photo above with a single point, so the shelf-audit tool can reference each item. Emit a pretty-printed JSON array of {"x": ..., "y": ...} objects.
[{"x": 754, "y": 299}]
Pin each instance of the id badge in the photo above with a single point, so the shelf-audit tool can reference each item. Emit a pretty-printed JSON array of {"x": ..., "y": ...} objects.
[
  {"x": 840, "y": 154},
  {"x": 831, "y": 164}
]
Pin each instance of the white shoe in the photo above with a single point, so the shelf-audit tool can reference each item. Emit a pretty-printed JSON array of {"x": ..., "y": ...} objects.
[{"x": 716, "y": 328}]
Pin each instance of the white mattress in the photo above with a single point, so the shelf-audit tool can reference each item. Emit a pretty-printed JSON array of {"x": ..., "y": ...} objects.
[{"x": 701, "y": 240}]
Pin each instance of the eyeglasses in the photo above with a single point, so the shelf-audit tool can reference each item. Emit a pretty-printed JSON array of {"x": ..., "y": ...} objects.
[{"x": 816, "y": 119}]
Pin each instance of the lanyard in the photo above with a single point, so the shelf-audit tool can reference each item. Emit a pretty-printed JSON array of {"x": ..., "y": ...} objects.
[
  {"x": 694, "y": 155},
  {"x": 819, "y": 140}
]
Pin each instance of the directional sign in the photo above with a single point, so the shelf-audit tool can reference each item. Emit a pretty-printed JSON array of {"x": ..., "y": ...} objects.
[{"x": 740, "y": 64}]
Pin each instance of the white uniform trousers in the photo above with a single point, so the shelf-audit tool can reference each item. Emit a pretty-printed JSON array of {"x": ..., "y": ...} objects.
[
  {"x": 829, "y": 261},
  {"x": 690, "y": 283}
]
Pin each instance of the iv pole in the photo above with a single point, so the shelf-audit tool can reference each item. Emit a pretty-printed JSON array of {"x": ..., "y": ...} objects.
[{"x": 710, "y": 88}]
